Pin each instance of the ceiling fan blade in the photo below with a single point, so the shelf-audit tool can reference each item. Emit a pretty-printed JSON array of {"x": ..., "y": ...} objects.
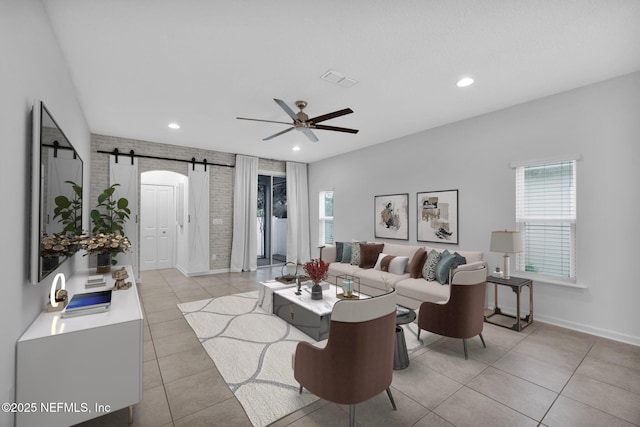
[
  {"x": 286, "y": 109},
  {"x": 310, "y": 134},
  {"x": 260, "y": 120},
  {"x": 328, "y": 116},
  {"x": 277, "y": 134},
  {"x": 339, "y": 129}
]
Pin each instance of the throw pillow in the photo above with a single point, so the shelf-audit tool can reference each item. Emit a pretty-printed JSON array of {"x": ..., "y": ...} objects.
[
  {"x": 443, "y": 267},
  {"x": 459, "y": 260},
  {"x": 391, "y": 263},
  {"x": 429, "y": 268},
  {"x": 339, "y": 247},
  {"x": 346, "y": 253},
  {"x": 369, "y": 254},
  {"x": 416, "y": 263},
  {"x": 355, "y": 252}
]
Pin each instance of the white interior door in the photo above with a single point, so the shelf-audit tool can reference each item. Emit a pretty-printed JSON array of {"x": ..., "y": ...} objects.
[
  {"x": 125, "y": 173},
  {"x": 157, "y": 220},
  {"x": 198, "y": 220}
]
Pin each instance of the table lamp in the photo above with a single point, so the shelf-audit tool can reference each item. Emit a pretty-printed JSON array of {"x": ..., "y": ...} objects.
[{"x": 506, "y": 242}]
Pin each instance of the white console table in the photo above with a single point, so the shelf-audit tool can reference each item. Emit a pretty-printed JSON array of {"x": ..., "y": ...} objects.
[{"x": 74, "y": 369}]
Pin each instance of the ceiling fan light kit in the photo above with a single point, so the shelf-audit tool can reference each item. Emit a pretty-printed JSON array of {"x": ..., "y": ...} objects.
[{"x": 303, "y": 123}]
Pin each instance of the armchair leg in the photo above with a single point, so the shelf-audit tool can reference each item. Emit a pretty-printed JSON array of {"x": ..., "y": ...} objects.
[
  {"x": 482, "y": 339},
  {"x": 419, "y": 334},
  {"x": 464, "y": 344},
  {"x": 300, "y": 388},
  {"x": 393, "y": 403},
  {"x": 352, "y": 415}
]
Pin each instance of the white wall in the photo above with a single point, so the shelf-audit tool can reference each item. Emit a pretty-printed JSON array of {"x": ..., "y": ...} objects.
[
  {"x": 600, "y": 121},
  {"x": 32, "y": 67}
]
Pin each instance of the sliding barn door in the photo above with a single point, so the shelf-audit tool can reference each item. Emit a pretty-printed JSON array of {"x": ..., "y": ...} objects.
[
  {"x": 125, "y": 173},
  {"x": 198, "y": 220}
]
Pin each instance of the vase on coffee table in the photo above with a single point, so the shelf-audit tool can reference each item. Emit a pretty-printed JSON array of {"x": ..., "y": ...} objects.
[{"x": 316, "y": 290}]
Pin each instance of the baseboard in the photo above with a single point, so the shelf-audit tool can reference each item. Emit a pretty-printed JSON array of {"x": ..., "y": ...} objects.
[{"x": 580, "y": 327}]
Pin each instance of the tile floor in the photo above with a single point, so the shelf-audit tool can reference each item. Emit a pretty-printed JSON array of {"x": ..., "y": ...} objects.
[{"x": 542, "y": 376}]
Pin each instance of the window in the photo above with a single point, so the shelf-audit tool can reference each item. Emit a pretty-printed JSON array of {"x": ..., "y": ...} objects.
[
  {"x": 546, "y": 217},
  {"x": 326, "y": 218}
]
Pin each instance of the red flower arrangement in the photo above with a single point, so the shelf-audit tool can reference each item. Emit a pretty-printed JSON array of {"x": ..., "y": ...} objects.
[{"x": 316, "y": 269}]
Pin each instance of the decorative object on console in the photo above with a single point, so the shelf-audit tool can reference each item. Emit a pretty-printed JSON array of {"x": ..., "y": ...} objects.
[
  {"x": 119, "y": 276},
  {"x": 350, "y": 286},
  {"x": 289, "y": 273},
  {"x": 438, "y": 216},
  {"x": 105, "y": 246},
  {"x": 506, "y": 242},
  {"x": 58, "y": 298},
  {"x": 391, "y": 216},
  {"x": 317, "y": 270}
]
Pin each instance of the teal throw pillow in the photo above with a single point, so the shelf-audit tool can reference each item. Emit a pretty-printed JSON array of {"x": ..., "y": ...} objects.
[
  {"x": 443, "y": 267},
  {"x": 346, "y": 253}
]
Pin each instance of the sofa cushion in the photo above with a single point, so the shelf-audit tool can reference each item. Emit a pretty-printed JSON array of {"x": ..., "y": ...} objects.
[
  {"x": 369, "y": 254},
  {"x": 339, "y": 247},
  {"x": 355, "y": 252},
  {"x": 379, "y": 279},
  {"x": 341, "y": 268},
  {"x": 471, "y": 256},
  {"x": 391, "y": 264},
  {"x": 444, "y": 266},
  {"x": 401, "y": 250},
  {"x": 429, "y": 268},
  {"x": 416, "y": 263}
]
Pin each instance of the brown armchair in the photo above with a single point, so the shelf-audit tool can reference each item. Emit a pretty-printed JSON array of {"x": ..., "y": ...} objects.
[
  {"x": 462, "y": 315},
  {"x": 356, "y": 362}
]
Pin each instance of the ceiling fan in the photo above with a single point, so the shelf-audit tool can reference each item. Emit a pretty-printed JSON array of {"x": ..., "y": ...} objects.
[{"x": 303, "y": 123}]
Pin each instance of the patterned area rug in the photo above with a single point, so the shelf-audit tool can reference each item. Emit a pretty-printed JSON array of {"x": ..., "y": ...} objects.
[{"x": 252, "y": 350}]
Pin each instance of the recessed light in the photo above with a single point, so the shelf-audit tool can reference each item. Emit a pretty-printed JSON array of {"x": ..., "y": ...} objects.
[
  {"x": 464, "y": 82},
  {"x": 174, "y": 126},
  {"x": 296, "y": 148}
]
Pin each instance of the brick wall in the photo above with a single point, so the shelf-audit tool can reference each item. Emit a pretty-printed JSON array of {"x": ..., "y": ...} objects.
[{"x": 220, "y": 181}]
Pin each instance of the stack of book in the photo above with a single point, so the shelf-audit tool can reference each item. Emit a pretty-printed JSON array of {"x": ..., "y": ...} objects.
[
  {"x": 95, "y": 281},
  {"x": 88, "y": 303}
]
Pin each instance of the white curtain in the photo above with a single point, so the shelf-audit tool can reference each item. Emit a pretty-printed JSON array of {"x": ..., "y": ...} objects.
[
  {"x": 244, "y": 247},
  {"x": 298, "y": 246}
]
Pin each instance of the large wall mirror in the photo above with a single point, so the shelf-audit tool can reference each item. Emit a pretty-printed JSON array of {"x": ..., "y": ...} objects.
[{"x": 56, "y": 196}]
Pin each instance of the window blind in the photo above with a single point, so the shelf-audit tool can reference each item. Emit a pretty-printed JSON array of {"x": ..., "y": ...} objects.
[{"x": 546, "y": 215}]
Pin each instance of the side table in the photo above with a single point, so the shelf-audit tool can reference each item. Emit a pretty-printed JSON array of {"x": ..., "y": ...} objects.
[
  {"x": 404, "y": 315},
  {"x": 516, "y": 284}
]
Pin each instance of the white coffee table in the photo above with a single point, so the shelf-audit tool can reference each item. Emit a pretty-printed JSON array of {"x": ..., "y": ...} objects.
[
  {"x": 265, "y": 293},
  {"x": 310, "y": 316}
]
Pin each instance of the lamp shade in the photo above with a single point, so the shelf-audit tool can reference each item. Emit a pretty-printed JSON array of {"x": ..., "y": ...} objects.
[{"x": 506, "y": 241}]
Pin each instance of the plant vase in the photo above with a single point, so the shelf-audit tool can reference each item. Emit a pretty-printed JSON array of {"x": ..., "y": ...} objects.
[
  {"x": 104, "y": 263},
  {"x": 316, "y": 290}
]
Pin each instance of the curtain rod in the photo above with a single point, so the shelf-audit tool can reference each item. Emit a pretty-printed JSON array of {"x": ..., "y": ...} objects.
[{"x": 193, "y": 160}]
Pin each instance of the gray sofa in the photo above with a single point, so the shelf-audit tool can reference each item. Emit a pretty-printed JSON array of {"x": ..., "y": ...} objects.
[{"x": 411, "y": 292}]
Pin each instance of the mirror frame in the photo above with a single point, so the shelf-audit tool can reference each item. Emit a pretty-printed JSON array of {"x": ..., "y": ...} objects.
[{"x": 39, "y": 149}]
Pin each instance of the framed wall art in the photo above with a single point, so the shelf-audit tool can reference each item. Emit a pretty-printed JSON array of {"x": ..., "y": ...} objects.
[
  {"x": 438, "y": 216},
  {"x": 391, "y": 216}
]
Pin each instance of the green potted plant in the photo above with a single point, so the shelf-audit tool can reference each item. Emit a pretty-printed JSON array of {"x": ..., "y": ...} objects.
[
  {"x": 69, "y": 211},
  {"x": 108, "y": 218}
]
